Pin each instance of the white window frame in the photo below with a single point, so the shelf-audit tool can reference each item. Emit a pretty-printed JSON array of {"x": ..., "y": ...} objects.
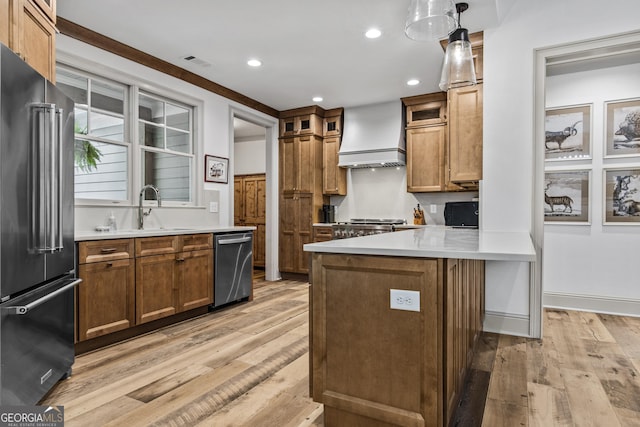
[{"x": 134, "y": 154}]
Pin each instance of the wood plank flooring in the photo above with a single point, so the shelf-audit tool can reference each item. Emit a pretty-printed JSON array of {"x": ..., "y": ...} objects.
[{"x": 247, "y": 365}]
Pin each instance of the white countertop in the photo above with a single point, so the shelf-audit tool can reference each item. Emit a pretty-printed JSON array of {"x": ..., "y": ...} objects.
[
  {"x": 169, "y": 231},
  {"x": 436, "y": 242}
]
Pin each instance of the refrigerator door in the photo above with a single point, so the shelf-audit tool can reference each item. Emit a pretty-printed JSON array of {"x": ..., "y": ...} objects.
[
  {"x": 20, "y": 87},
  {"x": 61, "y": 175},
  {"x": 36, "y": 342}
]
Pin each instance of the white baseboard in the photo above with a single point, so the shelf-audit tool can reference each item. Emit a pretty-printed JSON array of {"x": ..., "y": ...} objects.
[
  {"x": 596, "y": 304},
  {"x": 506, "y": 323}
]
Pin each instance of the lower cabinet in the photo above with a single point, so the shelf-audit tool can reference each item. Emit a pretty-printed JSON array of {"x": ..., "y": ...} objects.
[
  {"x": 169, "y": 275},
  {"x": 106, "y": 295}
]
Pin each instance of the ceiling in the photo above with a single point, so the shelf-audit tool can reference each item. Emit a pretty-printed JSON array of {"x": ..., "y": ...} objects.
[{"x": 308, "y": 47}]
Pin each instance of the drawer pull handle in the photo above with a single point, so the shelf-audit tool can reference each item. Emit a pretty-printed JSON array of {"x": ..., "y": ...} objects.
[
  {"x": 180, "y": 259},
  {"x": 108, "y": 250},
  {"x": 109, "y": 264}
]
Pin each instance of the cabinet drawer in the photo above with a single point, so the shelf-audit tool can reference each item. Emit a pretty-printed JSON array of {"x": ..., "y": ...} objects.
[
  {"x": 104, "y": 250},
  {"x": 322, "y": 234},
  {"x": 156, "y": 245},
  {"x": 194, "y": 242}
]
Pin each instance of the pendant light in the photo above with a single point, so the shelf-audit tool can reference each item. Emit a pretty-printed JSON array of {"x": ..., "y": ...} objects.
[
  {"x": 430, "y": 19},
  {"x": 458, "y": 69}
]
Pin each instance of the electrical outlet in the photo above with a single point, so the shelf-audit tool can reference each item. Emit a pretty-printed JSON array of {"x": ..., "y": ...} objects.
[
  {"x": 434, "y": 208},
  {"x": 213, "y": 207},
  {"x": 404, "y": 300}
]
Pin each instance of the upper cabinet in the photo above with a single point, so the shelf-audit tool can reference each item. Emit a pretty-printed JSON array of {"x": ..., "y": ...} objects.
[
  {"x": 301, "y": 123},
  {"x": 28, "y": 28},
  {"x": 465, "y": 136},
  {"x": 334, "y": 178}
]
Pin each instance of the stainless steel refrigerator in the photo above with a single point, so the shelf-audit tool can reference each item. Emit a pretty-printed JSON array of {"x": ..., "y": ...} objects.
[{"x": 36, "y": 233}]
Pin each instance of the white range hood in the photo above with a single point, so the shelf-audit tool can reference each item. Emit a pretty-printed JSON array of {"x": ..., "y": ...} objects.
[{"x": 373, "y": 136}]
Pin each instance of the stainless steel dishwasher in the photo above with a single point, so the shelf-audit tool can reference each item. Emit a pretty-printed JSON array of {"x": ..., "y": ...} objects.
[{"x": 233, "y": 265}]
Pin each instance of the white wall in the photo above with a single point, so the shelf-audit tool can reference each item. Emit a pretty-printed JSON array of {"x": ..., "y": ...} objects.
[
  {"x": 507, "y": 191},
  {"x": 382, "y": 193},
  {"x": 213, "y": 137},
  {"x": 585, "y": 265},
  {"x": 250, "y": 157}
]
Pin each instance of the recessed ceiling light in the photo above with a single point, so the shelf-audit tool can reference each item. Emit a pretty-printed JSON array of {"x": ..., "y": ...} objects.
[
  {"x": 254, "y": 62},
  {"x": 413, "y": 82},
  {"x": 317, "y": 99},
  {"x": 373, "y": 33}
]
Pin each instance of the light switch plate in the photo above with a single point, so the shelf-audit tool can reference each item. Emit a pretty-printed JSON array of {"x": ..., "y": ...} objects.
[
  {"x": 213, "y": 207},
  {"x": 401, "y": 299}
]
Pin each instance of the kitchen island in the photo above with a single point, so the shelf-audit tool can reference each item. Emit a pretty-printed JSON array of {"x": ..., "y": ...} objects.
[{"x": 394, "y": 319}]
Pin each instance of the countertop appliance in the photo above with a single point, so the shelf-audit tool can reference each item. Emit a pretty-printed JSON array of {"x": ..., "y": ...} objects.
[
  {"x": 233, "y": 266},
  {"x": 461, "y": 214},
  {"x": 357, "y": 227},
  {"x": 328, "y": 214},
  {"x": 36, "y": 233}
]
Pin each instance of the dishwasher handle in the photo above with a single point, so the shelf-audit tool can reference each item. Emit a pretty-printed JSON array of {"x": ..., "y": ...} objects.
[
  {"x": 24, "y": 309},
  {"x": 233, "y": 241}
]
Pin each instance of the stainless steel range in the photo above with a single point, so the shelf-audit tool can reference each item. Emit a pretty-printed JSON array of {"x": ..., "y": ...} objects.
[{"x": 357, "y": 227}]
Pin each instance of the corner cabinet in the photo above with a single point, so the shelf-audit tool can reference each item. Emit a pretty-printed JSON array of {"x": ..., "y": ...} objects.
[
  {"x": 28, "y": 28},
  {"x": 300, "y": 183}
]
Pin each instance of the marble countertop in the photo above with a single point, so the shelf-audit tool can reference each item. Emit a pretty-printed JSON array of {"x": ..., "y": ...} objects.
[
  {"x": 168, "y": 231},
  {"x": 437, "y": 242}
]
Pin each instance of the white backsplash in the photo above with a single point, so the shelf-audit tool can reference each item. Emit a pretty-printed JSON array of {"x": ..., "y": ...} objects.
[
  {"x": 88, "y": 217},
  {"x": 382, "y": 193}
]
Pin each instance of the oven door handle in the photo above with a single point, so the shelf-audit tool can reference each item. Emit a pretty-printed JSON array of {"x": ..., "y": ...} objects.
[
  {"x": 24, "y": 309},
  {"x": 232, "y": 241}
]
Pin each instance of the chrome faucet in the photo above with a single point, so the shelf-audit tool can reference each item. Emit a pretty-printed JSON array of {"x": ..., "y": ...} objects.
[{"x": 141, "y": 212}]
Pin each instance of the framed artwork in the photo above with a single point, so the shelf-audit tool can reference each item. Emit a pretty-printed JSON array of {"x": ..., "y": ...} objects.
[
  {"x": 567, "y": 133},
  {"x": 216, "y": 169},
  {"x": 622, "y": 196},
  {"x": 622, "y": 128},
  {"x": 566, "y": 196}
]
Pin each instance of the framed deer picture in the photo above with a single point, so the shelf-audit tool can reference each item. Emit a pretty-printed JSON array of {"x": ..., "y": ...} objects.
[
  {"x": 622, "y": 196},
  {"x": 622, "y": 128},
  {"x": 567, "y": 133},
  {"x": 566, "y": 196}
]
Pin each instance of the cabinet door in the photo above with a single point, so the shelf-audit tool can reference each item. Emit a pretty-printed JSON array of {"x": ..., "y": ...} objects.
[
  {"x": 465, "y": 134},
  {"x": 155, "y": 287},
  {"x": 427, "y": 113},
  {"x": 254, "y": 189},
  {"x": 105, "y": 298},
  {"x": 288, "y": 232},
  {"x": 426, "y": 159},
  {"x": 259, "y": 245},
  {"x": 6, "y": 20},
  {"x": 48, "y": 7},
  {"x": 452, "y": 325},
  {"x": 37, "y": 41},
  {"x": 195, "y": 278},
  {"x": 288, "y": 165},
  {"x": 238, "y": 198},
  {"x": 304, "y": 235},
  {"x": 334, "y": 178},
  {"x": 306, "y": 163}
]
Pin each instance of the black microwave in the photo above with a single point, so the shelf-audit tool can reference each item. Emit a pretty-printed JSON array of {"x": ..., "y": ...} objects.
[{"x": 461, "y": 214}]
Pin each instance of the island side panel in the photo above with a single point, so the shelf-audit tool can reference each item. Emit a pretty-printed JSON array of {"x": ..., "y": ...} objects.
[{"x": 371, "y": 362}]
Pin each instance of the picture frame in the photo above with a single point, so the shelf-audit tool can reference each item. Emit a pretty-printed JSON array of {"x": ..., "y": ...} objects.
[
  {"x": 216, "y": 169},
  {"x": 621, "y": 196},
  {"x": 622, "y": 128},
  {"x": 567, "y": 133},
  {"x": 567, "y": 196}
]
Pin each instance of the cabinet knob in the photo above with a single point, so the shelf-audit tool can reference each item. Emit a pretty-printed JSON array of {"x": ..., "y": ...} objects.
[
  {"x": 180, "y": 259},
  {"x": 109, "y": 264}
]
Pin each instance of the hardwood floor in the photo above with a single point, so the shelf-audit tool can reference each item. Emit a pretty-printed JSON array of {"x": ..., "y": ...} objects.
[{"x": 247, "y": 365}]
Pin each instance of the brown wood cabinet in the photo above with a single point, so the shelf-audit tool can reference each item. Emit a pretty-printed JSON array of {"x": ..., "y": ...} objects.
[
  {"x": 465, "y": 136},
  {"x": 28, "y": 28},
  {"x": 106, "y": 295},
  {"x": 173, "y": 274},
  {"x": 373, "y": 365},
  {"x": 334, "y": 178},
  {"x": 303, "y": 122},
  {"x": 426, "y": 160},
  {"x": 322, "y": 233},
  {"x": 250, "y": 210},
  {"x": 301, "y": 198}
]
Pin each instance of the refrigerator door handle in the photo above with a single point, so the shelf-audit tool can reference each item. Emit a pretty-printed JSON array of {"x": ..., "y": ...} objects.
[
  {"x": 46, "y": 170},
  {"x": 24, "y": 309}
]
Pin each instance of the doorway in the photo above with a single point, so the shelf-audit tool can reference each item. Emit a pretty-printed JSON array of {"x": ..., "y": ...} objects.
[{"x": 250, "y": 186}]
